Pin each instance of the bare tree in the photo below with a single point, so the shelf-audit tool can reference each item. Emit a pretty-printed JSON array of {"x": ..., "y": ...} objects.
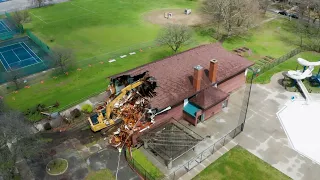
[
  {"x": 234, "y": 16},
  {"x": 16, "y": 142},
  {"x": 263, "y": 5},
  {"x": 174, "y": 36},
  {"x": 312, "y": 41},
  {"x": 14, "y": 76},
  {"x": 21, "y": 17},
  {"x": 62, "y": 58},
  {"x": 38, "y": 3},
  {"x": 316, "y": 10}
]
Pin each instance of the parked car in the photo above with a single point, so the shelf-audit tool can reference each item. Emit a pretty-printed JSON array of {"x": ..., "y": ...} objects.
[
  {"x": 283, "y": 13},
  {"x": 293, "y": 16}
]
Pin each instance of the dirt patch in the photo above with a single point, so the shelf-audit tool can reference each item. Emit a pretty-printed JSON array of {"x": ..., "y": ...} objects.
[{"x": 178, "y": 17}]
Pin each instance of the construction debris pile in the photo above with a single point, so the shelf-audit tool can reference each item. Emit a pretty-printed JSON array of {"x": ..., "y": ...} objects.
[{"x": 128, "y": 105}]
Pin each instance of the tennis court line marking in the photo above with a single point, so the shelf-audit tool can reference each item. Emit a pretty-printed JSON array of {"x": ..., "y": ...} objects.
[
  {"x": 33, "y": 52},
  {"x": 26, "y": 50},
  {"x": 8, "y": 46},
  {"x": 3, "y": 66},
  {"x": 19, "y": 62},
  {"x": 16, "y": 55},
  {"x": 6, "y": 62},
  {"x": 38, "y": 18},
  {"x": 11, "y": 49},
  {"x": 83, "y": 8},
  {"x": 5, "y": 25},
  {"x": 26, "y": 66}
]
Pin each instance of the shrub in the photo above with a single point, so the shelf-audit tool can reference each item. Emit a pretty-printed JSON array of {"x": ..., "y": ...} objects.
[
  {"x": 47, "y": 126},
  {"x": 87, "y": 108},
  {"x": 41, "y": 107},
  {"x": 75, "y": 113},
  {"x": 57, "y": 104}
]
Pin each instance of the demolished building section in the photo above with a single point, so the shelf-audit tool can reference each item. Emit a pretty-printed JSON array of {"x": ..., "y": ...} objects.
[{"x": 127, "y": 106}]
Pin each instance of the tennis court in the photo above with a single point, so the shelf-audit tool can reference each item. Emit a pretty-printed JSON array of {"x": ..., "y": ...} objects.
[
  {"x": 17, "y": 56},
  {"x": 3, "y": 27}
]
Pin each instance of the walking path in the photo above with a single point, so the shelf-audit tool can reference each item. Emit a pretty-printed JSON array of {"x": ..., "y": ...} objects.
[{"x": 14, "y": 5}]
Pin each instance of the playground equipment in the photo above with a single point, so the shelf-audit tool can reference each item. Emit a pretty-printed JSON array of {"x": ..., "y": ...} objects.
[
  {"x": 187, "y": 11},
  {"x": 168, "y": 15},
  {"x": 299, "y": 75}
]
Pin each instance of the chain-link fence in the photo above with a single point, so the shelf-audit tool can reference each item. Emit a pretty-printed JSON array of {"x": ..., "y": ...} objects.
[
  {"x": 268, "y": 66},
  {"x": 205, "y": 154},
  {"x": 139, "y": 169}
]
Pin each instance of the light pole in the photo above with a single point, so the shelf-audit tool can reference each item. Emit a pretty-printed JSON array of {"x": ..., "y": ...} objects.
[{"x": 254, "y": 73}]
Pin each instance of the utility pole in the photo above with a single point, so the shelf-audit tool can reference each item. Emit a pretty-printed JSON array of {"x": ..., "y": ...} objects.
[{"x": 254, "y": 73}]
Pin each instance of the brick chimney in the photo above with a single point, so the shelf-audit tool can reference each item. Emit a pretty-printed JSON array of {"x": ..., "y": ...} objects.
[
  {"x": 213, "y": 71},
  {"x": 198, "y": 71}
]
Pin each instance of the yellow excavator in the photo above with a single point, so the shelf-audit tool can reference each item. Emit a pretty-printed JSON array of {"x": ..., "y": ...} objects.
[{"x": 107, "y": 115}]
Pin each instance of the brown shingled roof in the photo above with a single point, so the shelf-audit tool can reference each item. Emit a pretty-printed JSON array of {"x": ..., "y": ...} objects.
[
  {"x": 209, "y": 97},
  {"x": 174, "y": 74}
]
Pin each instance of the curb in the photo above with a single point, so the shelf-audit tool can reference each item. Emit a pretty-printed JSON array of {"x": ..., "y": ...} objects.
[{"x": 57, "y": 174}]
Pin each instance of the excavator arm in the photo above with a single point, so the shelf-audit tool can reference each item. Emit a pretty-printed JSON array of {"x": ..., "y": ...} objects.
[
  {"x": 102, "y": 119},
  {"x": 123, "y": 92}
]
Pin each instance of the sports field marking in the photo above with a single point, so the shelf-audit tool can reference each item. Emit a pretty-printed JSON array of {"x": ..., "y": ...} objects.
[
  {"x": 28, "y": 51},
  {"x": 3, "y": 65},
  {"x": 27, "y": 66},
  {"x": 38, "y": 18},
  {"x": 64, "y": 19},
  {"x": 10, "y": 50},
  {"x": 16, "y": 55},
  {"x": 8, "y": 46},
  {"x": 32, "y": 58},
  {"x": 6, "y": 62},
  {"x": 5, "y": 25},
  {"x": 83, "y": 8},
  {"x": 32, "y": 52}
]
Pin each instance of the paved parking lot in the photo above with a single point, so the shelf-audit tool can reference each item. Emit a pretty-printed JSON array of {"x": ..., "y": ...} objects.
[{"x": 82, "y": 159}]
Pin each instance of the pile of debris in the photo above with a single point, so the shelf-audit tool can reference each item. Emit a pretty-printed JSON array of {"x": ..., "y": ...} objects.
[{"x": 128, "y": 106}]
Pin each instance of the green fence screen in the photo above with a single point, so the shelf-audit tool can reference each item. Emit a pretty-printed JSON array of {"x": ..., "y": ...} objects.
[{"x": 35, "y": 39}]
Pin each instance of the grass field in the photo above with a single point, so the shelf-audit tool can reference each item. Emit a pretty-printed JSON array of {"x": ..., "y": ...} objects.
[
  {"x": 146, "y": 164},
  {"x": 270, "y": 39},
  {"x": 240, "y": 164},
  {"x": 95, "y": 27}
]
